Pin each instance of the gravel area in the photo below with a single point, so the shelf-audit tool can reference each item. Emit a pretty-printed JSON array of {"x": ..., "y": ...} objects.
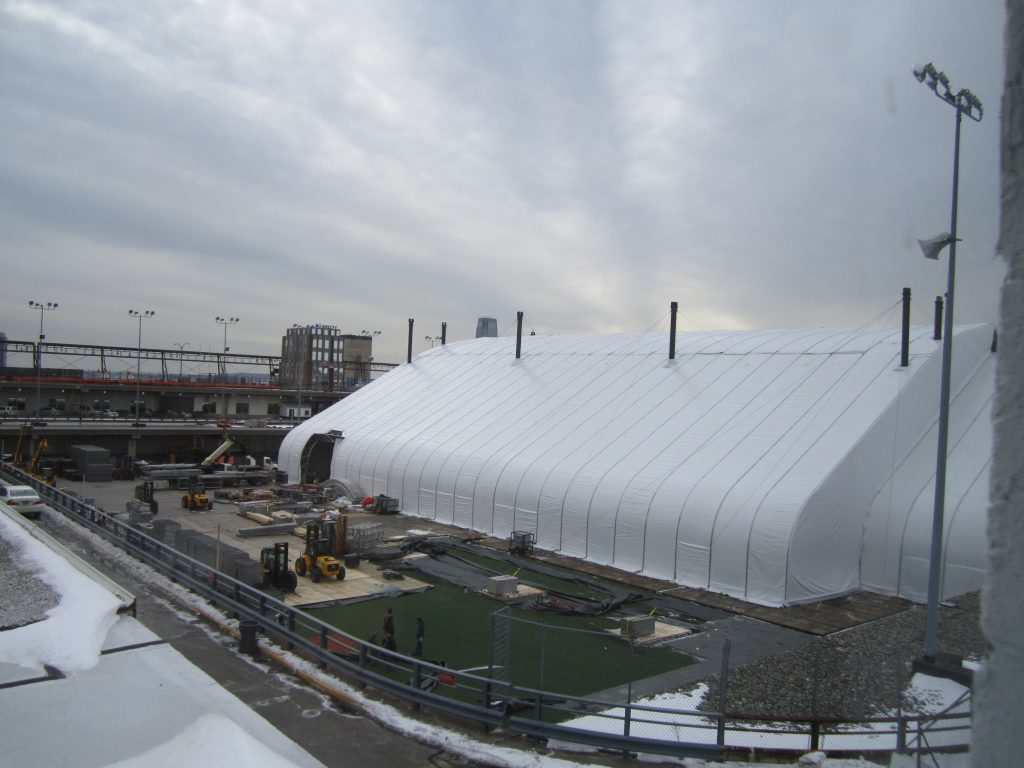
[
  {"x": 24, "y": 597},
  {"x": 860, "y": 672}
]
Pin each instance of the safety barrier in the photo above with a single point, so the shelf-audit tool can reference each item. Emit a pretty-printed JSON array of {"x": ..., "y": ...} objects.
[{"x": 629, "y": 729}]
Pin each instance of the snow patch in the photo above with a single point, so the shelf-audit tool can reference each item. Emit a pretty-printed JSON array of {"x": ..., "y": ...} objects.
[
  {"x": 71, "y": 636},
  {"x": 211, "y": 740}
]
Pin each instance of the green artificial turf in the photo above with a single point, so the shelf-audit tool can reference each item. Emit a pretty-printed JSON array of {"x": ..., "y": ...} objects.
[{"x": 458, "y": 630}]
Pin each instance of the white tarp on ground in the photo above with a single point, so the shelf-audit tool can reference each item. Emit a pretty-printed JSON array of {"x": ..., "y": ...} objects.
[{"x": 777, "y": 466}]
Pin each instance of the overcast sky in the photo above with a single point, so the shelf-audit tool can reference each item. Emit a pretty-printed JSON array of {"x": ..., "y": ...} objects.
[{"x": 361, "y": 163}]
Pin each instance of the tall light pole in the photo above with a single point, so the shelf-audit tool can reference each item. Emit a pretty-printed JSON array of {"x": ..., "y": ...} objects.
[
  {"x": 964, "y": 103},
  {"x": 47, "y": 307},
  {"x": 225, "y": 321},
  {"x": 181, "y": 350},
  {"x": 139, "y": 315}
]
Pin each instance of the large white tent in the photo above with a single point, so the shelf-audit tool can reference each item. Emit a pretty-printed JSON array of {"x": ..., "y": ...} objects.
[{"x": 777, "y": 466}]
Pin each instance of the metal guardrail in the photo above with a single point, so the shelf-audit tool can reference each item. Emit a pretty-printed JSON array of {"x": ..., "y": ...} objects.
[{"x": 492, "y": 702}]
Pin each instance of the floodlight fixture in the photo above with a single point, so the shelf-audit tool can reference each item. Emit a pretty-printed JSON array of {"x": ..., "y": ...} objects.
[{"x": 964, "y": 101}]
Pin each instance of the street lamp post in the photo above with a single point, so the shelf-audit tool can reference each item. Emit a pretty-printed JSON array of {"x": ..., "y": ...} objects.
[
  {"x": 965, "y": 103},
  {"x": 140, "y": 316},
  {"x": 181, "y": 351},
  {"x": 225, "y": 321},
  {"x": 49, "y": 306}
]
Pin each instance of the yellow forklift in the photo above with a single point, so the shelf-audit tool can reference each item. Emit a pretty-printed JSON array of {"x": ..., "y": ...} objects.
[
  {"x": 318, "y": 560},
  {"x": 196, "y": 498}
]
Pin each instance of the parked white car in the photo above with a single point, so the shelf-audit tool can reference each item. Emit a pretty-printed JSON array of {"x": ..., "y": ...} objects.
[{"x": 23, "y": 499}]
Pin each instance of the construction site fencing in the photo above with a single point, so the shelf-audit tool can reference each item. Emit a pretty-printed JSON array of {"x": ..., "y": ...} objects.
[{"x": 490, "y": 701}]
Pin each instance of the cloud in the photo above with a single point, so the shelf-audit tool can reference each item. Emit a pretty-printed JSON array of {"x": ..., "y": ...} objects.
[{"x": 586, "y": 163}]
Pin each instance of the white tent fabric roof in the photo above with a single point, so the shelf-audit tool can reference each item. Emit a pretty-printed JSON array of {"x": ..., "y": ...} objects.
[{"x": 774, "y": 466}]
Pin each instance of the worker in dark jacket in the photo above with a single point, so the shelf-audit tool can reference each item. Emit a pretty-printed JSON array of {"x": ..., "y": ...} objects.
[
  {"x": 420, "y": 631},
  {"x": 389, "y": 641}
]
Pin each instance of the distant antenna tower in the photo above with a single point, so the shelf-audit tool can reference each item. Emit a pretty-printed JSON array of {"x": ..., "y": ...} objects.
[{"x": 486, "y": 327}]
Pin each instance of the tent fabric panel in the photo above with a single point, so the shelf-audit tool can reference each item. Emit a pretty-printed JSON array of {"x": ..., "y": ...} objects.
[
  {"x": 897, "y": 535},
  {"x": 626, "y": 494},
  {"x": 559, "y": 440},
  {"x": 730, "y": 467},
  {"x": 778, "y": 430},
  {"x": 817, "y": 476},
  {"x": 516, "y": 482},
  {"x": 641, "y": 410},
  {"x": 518, "y": 420},
  {"x": 732, "y": 437},
  {"x": 913, "y": 418}
]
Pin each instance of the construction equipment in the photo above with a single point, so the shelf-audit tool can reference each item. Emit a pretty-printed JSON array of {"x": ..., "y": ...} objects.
[
  {"x": 196, "y": 499},
  {"x": 221, "y": 449},
  {"x": 521, "y": 543},
  {"x": 318, "y": 560},
  {"x": 382, "y": 505},
  {"x": 24, "y": 435},
  {"x": 144, "y": 493},
  {"x": 276, "y": 572},
  {"x": 46, "y": 474}
]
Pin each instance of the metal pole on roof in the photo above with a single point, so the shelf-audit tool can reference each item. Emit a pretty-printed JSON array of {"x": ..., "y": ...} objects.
[
  {"x": 408, "y": 357},
  {"x": 673, "y": 311},
  {"x": 937, "y": 335},
  {"x": 905, "y": 338},
  {"x": 444, "y": 333},
  {"x": 519, "y": 334}
]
